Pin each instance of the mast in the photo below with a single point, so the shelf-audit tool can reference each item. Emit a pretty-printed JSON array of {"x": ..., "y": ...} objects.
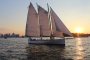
[
  {"x": 32, "y": 25},
  {"x": 50, "y": 22}
]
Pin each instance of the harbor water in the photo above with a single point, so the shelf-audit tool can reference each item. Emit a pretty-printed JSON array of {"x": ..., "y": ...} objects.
[{"x": 19, "y": 49}]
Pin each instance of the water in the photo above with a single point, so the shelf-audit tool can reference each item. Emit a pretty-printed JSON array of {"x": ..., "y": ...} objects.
[{"x": 19, "y": 49}]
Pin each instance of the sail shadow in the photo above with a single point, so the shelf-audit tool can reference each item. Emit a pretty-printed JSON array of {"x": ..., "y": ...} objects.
[{"x": 45, "y": 52}]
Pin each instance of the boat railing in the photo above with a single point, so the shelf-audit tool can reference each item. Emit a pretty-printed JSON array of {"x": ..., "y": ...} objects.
[{"x": 45, "y": 38}]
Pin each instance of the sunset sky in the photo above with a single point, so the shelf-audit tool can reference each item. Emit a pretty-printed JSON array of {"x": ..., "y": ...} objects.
[{"x": 74, "y": 13}]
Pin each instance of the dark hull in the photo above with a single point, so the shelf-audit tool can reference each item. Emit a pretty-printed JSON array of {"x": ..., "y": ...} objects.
[{"x": 48, "y": 42}]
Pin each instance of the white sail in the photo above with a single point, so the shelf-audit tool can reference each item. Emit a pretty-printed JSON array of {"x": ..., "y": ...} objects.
[
  {"x": 32, "y": 25},
  {"x": 44, "y": 22},
  {"x": 53, "y": 26},
  {"x": 60, "y": 27}
]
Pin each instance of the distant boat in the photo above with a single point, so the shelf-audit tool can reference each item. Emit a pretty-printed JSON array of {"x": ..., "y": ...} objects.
[{"x": 45, "y": 27}]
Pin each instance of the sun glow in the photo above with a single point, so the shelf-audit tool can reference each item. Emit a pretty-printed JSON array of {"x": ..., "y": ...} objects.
[{"x": 79, "y": 30}]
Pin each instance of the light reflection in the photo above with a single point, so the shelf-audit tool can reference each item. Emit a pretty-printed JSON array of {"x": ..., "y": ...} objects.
[{"x": 79, "y": 50}]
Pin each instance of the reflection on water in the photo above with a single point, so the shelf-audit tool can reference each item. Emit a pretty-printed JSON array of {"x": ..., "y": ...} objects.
[
  {"x": 45, "y": 52},
  {"x": 79, "y": 50},
  {"x": 19, "y": 49}
]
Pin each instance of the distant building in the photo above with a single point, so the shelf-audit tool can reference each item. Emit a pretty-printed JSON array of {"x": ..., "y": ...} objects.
[{"x": 9, "y": 35}]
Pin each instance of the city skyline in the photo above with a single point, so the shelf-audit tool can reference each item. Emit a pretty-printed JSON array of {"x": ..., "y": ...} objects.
[{"x": 74, "y": 14}]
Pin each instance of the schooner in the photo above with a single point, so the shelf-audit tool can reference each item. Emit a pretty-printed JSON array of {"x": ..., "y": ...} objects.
[{"x": 45, "y": 27}]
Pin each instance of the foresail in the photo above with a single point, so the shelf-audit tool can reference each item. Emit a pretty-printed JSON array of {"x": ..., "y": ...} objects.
[
  {"x": 44, "y": 22},
  {"x": 32, "y": 25},
  {"x": 60, "y": 27}
]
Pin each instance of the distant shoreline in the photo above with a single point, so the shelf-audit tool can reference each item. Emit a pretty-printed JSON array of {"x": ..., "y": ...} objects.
[{"x": 13, "y": 35}]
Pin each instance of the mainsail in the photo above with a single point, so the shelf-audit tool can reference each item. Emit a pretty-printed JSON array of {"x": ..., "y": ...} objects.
[
  {"x": 60, "y": 27},
  {"x": 44, "y": 22},
  {"x": 32, "y": 25}
]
